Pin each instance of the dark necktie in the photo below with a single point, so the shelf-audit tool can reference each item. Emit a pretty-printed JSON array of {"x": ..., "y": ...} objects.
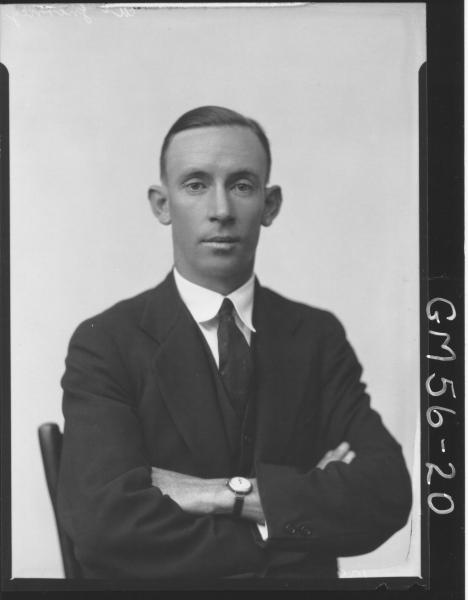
[{"x": 235, "y": 362}]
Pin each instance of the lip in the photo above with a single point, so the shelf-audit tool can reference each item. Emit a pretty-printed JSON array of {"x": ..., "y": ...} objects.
[
  {"x": 221, "y": 239},
  {"x": 221, "y": 243}
]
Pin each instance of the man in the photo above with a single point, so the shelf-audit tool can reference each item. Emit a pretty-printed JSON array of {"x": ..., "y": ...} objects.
[{"x": 212, "y": 427}]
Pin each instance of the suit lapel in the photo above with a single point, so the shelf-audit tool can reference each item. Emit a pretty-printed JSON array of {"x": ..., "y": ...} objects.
[
  {"x": 281, "y": 369},
  {"x": 185, "y": 380},
  {"x": 282, "y": 365}
]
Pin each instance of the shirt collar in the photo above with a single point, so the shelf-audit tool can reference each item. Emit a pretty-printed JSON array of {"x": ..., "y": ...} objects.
[{"x": 204, "y": 304}]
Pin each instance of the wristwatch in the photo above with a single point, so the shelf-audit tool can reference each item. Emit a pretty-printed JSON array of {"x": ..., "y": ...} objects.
[{"x": 241, "y": 488}]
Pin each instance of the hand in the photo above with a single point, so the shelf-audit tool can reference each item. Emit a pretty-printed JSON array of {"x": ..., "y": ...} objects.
[{"x": 341, "y": 453}]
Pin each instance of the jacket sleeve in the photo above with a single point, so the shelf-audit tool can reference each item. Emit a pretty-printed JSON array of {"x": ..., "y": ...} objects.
[
  {"x": 344, "y": 509},
  {"x": 122, "y": 526}
]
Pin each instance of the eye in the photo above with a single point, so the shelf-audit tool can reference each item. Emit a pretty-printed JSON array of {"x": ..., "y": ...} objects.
[
  {"x": 243, "y": 187},
  {"x": 194, "y": 187}
]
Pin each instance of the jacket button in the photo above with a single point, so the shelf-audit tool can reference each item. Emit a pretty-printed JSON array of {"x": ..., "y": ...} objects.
[{"x": 290, "y": 528}]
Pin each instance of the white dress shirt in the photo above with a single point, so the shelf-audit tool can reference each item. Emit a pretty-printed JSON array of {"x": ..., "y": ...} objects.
[{"x": 204, "y": 304}]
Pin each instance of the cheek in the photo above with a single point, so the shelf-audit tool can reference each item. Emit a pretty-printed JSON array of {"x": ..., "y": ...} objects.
[
  {"x": 185, "y": 221},
  {"x": 252, "y": 218}
]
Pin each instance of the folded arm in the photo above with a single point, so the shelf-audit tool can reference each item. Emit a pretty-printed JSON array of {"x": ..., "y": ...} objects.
[
  {"x": 344, "y": 508},
  {"x": 121, "y": 525},
  {"x": 200, "y": 496}
]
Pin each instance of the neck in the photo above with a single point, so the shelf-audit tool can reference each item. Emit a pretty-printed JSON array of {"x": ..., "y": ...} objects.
[{"x": 221, "y": 285}]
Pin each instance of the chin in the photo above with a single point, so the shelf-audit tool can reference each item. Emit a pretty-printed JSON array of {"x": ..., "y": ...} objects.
[{"x": 221, "y": 266}]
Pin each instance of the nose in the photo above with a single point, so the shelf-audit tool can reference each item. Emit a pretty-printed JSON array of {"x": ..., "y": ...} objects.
[{"x": 221, "y": 207}]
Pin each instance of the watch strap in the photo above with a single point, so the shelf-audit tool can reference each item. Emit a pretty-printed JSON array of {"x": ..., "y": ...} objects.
[{"x": 238, "y": 505}]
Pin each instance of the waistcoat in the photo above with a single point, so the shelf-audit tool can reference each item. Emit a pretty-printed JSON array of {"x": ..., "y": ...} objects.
[{"x": 240, "y": 433}]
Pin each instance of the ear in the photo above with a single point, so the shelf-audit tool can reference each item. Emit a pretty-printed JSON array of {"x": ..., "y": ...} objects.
[
  {"x": 273, "y": 200},
  {"x": 157, "y": 195}
]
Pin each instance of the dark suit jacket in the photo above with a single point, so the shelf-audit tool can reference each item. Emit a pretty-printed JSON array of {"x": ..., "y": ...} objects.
[{"x": 138, "y": 392}]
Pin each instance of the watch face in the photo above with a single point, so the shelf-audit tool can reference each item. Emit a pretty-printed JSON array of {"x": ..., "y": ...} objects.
[{"x": 240, "y": 485}]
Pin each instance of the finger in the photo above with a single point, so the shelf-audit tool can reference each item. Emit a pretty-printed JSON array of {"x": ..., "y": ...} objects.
[
  {"x": 323, "y": 463},
  {"x": 325, "y": 460},
  {"x": 349, "y": 457},
  {"x": 336, "y": 454},
  {"x": 340, "y": 451}
]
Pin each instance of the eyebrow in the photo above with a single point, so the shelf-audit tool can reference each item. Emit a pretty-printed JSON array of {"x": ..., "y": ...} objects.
[
  {"x": 192, "y": 173},
  {"x": 244, "y": 173},
  {"x": 198, "y": 173}
]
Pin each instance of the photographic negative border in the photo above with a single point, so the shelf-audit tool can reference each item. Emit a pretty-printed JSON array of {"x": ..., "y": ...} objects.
[{"x": 441, "y": 277}]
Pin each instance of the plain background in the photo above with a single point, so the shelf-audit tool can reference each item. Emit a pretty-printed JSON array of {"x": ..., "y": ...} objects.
[{"x": 93, "y": 92}]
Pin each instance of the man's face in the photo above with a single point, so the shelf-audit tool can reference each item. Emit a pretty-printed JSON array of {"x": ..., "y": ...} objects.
[{"x": 214, "y": 196}]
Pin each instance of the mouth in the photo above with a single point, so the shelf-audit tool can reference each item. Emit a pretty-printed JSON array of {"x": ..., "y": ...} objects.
[{"x": 221, "y": 242}]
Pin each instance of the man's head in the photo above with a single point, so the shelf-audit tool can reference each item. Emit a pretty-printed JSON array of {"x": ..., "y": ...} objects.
[{"x": 215, "y": 165}]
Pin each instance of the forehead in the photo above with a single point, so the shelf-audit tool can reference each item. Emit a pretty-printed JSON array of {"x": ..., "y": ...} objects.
[{"x": 220, "y": 149}]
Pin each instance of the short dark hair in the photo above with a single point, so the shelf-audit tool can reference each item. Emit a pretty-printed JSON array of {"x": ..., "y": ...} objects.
[{"x": 213, "y": 116}]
